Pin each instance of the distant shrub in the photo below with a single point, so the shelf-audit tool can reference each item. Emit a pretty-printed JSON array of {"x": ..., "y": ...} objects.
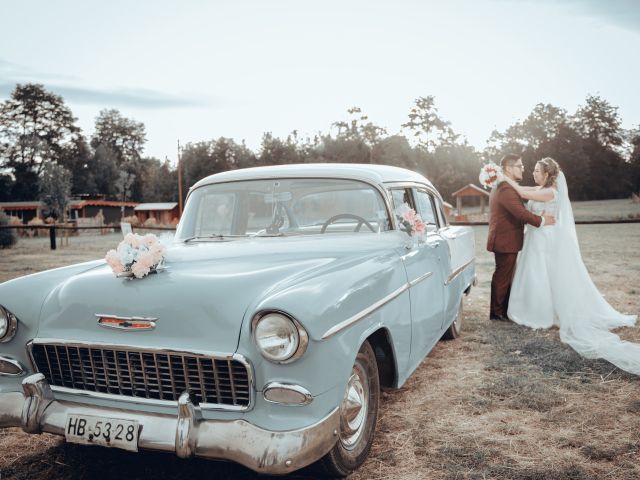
[
  {"x": 8, "y": 237},
  {"x": 150, "y": 222}
]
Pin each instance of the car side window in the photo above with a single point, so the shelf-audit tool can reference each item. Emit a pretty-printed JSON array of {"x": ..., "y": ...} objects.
[
  {"x": 441, "y": 216},
  {"x": 400, "y": 196},
  {"x": 425, "y": 208}
]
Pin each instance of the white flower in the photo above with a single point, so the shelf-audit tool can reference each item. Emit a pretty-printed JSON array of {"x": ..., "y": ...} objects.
[
  {"x": 126, "y": 254},
  {"x": 489, "y": 175}
]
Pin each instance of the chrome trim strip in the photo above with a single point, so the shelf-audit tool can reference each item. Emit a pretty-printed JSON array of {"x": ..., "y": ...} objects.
[
  {"x": 308, "y": 398},
  {"x": 458, "y": 271},
  {"x": 118, "y": 317},
  {"x": 145, "y": 401},
  {"x": 13, "y": 363},
  {"x": 416, "y": 281},
  {"x": 131, "y": 348},
  {"x": 149, "y": 401},
  {"x": 367, "y": 311}
]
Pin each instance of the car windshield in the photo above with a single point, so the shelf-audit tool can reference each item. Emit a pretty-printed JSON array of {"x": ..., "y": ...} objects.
[{"x": 279, "y": 207}]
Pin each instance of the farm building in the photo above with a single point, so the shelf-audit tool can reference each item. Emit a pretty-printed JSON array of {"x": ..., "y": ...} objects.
[
  {"x": 112, "y": 211},
  {"x": 25, "y": 211},
  {"x": 163, "y": 213},
  {"x": 475, "y": 197}
]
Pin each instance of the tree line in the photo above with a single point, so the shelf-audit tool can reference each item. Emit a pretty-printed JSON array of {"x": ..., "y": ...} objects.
[{"x": 44, "y": 154}]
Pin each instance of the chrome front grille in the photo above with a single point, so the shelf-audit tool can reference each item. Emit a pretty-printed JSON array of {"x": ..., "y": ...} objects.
[{"x": 145, "y": 374}]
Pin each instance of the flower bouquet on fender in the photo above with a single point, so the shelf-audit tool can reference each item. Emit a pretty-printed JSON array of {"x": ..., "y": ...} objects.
[
  {"x": 490, "y": 174},
  {"x": 136, "y": 256},
  {"x": 410, "y": 222}
]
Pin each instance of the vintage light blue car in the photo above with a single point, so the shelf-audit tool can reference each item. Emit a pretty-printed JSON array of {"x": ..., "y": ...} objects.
[{"x": 289, "y": 296}]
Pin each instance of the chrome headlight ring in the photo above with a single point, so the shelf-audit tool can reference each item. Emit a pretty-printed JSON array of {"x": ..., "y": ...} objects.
[
  {"x": 278, "y": 336},
  {"x": 8, "y": 325}
]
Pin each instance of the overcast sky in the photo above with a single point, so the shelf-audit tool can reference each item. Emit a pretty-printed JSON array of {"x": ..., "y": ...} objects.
[{"x": 198, "y": 70}]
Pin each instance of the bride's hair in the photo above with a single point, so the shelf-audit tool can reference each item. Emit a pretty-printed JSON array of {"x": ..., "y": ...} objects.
[{"x": 551, "y": 168}]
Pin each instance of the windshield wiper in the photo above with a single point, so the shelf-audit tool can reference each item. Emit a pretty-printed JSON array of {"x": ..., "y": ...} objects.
[
  {"x": 279, "y": 234},
  {"x": 215, "y": 236}
]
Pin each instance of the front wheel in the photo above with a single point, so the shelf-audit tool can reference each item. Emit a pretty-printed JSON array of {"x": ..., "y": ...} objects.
[{"x": 358, "y": 415}]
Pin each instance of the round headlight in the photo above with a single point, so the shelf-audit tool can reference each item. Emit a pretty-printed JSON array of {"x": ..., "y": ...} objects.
[
  {"x": 8, "y": 325},
  {"x": 278, "y": 337}
]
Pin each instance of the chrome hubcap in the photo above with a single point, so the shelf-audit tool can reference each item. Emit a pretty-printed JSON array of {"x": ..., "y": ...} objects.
[{"x": 354, "y": 408}]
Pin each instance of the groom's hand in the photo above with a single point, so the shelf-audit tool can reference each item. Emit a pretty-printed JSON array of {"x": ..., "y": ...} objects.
[{"x": 548, "y": 219}]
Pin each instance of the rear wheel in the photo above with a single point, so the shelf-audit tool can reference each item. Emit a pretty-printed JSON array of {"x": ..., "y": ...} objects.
[
  {"x": 454, "y": 329},
  {"x": 358, "y": 414}
]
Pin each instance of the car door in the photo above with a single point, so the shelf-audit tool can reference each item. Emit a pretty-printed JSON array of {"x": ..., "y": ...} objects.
[
  {"x": 461, "y": 245},
  {"x": 424, "y": 275}
]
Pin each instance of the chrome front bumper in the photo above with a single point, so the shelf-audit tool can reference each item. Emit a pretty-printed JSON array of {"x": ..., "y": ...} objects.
[{"x": 187, "y": 434}]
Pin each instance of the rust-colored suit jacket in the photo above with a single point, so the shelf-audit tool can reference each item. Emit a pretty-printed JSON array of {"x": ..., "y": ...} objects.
[{"x": 507, "y": 217}]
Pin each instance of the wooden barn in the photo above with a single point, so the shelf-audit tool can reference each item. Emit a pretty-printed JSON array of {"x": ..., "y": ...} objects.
[
  {"x": 164, "y": 213},
  {"x": 25, "y": 211},
  {"x": 476, "y": 198},
  {"x": 112, "y": 211}
]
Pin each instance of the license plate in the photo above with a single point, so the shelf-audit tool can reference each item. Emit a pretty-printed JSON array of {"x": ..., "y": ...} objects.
[{"x": 107, "y": 432}]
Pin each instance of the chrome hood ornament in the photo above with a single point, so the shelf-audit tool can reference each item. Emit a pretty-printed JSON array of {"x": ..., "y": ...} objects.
[{"x": 126, "y": 323}]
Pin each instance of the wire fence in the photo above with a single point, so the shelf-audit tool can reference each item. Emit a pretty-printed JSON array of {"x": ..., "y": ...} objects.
[{"x": 51, "y": 230}]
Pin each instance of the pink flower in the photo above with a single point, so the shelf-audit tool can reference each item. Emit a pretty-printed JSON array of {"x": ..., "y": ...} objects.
[
  {"x": 156, "y": 251},
  {"x": 149, "y": 239},
  {"x": 113, "y": 260},
  {"x": 419, "y": 226},
  {"x": 145, "y": 260},
  {"x": 139, "y": 270},
  {"x": 133, "y": 239},
  {"x": 409, "y": 215}
]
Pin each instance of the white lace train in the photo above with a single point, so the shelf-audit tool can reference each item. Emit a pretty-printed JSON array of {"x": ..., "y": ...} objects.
[{"x": 552, "y": 286}]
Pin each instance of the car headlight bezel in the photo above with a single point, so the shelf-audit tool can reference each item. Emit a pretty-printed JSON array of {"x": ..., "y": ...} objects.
[
  {"x": 8, "y": 325},
  {"x": 288, "y": 322}
]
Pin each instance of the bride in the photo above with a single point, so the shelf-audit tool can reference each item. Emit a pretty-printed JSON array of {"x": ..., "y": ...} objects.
[{"x": 552, "y": 285}]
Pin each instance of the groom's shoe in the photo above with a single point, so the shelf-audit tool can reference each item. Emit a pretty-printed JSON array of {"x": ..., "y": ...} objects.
[{"x": 499, "y": 318}]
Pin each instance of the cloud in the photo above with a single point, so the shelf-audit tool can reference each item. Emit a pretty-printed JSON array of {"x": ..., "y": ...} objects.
[
  {"x": 10, "y": 70},
  {"x": 67, "y": 87},
  {"x": 622, "y": 13}
]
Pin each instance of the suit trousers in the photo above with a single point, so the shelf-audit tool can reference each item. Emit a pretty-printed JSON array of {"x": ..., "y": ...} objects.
[{"x": 501, "y": 282}]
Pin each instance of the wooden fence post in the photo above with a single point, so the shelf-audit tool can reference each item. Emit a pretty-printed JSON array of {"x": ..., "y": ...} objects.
[{"x": 52, "y": 236}]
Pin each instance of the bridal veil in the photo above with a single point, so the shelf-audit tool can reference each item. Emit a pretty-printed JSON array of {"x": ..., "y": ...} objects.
[{"x": 584, "y": 316}]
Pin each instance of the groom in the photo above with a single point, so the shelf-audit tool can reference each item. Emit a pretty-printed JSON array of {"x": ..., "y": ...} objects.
[{"x": 507, "y": 217}]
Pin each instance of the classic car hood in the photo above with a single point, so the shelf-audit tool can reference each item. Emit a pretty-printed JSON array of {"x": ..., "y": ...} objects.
[{"x": 202, "y": 296}]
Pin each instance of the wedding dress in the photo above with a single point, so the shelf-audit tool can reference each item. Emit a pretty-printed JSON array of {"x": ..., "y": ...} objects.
[{"x": 552, "y": 286}]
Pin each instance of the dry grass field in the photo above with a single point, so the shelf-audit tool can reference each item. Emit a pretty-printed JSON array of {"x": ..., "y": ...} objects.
[{"x": 501, "y": 402}]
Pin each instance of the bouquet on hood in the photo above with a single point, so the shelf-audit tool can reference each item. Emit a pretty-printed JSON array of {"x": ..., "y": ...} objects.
[{"x": 136, "y": 255}]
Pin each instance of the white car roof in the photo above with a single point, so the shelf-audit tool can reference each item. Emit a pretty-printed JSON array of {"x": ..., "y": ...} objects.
[{"x": 356, "y": 171}]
